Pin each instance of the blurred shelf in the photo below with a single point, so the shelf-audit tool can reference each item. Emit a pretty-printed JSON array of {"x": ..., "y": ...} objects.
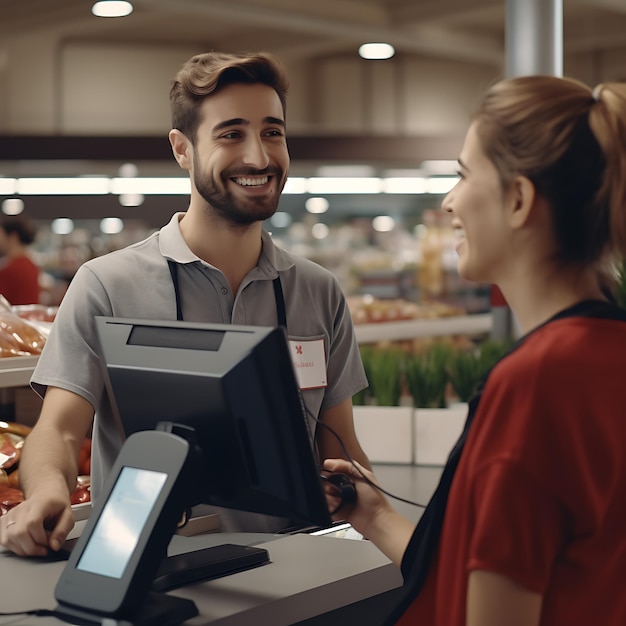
[
  {"x": 478, "y": 324},
  {"x": 15, "y": 371}
]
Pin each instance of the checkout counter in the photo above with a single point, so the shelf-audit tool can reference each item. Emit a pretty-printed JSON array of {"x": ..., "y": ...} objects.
[{"x": 310, "y": 580}]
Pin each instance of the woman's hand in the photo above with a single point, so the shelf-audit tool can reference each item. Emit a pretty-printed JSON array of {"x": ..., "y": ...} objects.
[
  {"x": 369, "y": 501},
  {"x": 371, "y": 513}
]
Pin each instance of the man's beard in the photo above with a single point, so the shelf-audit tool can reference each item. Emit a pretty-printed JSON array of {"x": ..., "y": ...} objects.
[{"x": 235, "y": 210}]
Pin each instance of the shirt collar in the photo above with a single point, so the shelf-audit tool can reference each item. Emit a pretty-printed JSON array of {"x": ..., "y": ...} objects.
[{"x": 172, "y": 246}]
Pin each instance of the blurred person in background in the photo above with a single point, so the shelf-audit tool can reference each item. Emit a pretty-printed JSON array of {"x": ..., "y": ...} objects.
[{"x": 19, "y": 274}]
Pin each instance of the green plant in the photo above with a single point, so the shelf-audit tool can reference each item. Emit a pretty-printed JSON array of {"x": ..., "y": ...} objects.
[
  {"x": 384, "y": 369},
  {"x": 489, "y": 353},
  {"x": 464, "y": 374},
  {"x": 426, "y": 376},
  {"x": 467, "y": 368}
]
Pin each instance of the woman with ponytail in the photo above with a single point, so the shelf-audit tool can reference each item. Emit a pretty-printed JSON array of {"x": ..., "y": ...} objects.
[{"x": 528, "y": 524}]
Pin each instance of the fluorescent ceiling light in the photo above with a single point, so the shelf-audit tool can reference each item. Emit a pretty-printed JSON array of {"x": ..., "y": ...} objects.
[
  {"x": 82, "y": 186},
  {"x": 112, "y": 8},
  {"x": 151, "y": 186},
  {"x": 441, "y": 185},
  {"x": 131, "y": 199},
  {"x": 352, "y": 171},
  {"x": 323, "y": 186},
  {"x": 316, "y": 205},
  {"x": 376, "y": 51},
  {"x": 295, "y": 185},
  {"x": 111, "y": 225},
  {"x": 62, "y": 226},
  {"x": 7, "y": 186},
  {"x": 131, "y": 190},
  {"x": 410, "y": 185},
  {"x": 128, "y": 170},
  {"x": 383, "y": 223},
  {"x": 12, "y": 206}
]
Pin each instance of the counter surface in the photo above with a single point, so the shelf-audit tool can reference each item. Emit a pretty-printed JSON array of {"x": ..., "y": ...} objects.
[{"x": 308, "y": 576}]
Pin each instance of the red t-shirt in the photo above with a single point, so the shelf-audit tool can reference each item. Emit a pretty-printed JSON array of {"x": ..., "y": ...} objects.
[
  {"x": 539, "y": 495},
  {"x": 19, "y": 281}
]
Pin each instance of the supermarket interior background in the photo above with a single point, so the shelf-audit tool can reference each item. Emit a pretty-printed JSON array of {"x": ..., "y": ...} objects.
[
  {"x": 84, "y": 119},
  {"x": 84, "y": 106}
]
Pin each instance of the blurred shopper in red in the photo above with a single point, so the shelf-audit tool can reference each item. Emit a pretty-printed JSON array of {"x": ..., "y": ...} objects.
[{"x": 19, "y": 274}]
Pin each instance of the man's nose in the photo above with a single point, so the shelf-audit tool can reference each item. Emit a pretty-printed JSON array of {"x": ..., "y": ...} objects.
[{"x": 255, "y": 153}]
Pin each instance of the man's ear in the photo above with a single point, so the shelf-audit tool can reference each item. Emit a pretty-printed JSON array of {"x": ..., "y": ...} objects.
[
  {"x": 523, "y": 197},
  {"x": 181, "y": 148}
]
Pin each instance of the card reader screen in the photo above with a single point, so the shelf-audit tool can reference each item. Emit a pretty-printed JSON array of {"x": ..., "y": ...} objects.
[{"x": 115, "y": 536}]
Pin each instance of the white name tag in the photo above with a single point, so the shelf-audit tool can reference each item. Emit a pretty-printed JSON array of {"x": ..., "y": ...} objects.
[{"x": 309, "y": 361}]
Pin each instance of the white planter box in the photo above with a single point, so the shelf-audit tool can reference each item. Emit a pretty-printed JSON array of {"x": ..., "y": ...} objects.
[
  {"x": 435, "y": 433},
  {"x": 385, "y": 432}
]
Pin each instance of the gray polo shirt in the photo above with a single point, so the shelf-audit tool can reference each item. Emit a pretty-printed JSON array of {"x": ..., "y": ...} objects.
[{"x": 136, "y": 282}]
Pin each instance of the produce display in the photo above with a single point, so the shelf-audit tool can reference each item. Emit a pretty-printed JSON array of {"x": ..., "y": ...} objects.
[
  {"x": 370, "y": 310},
  {"x": 18, "y": 337},
  {"x": 12, "y": 438}
]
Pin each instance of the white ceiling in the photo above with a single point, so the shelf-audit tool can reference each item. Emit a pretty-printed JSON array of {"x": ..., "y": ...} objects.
[{"x": 461, "y": 29}]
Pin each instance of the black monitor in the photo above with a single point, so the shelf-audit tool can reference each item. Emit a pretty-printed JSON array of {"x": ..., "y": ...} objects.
[{"x": 235, "y": 386}]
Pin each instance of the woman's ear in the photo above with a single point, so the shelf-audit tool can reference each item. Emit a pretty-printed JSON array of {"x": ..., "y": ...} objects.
[
  {"x": 523, "y": 197},
  {"x": 181, "y": 148}
]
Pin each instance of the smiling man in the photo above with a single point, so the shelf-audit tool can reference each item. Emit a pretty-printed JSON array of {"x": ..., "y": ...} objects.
[{"x": 213, "y": 263}]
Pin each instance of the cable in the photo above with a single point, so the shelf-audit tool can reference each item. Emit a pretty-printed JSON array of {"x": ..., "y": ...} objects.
[{"x": 358, "y": 469}]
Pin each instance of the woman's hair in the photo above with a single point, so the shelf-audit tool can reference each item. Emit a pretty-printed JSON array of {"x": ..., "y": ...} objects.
[
  {"x": 570, "y": 142},
  {"x": 22, "y": 226},
  {"x": 207, "y": 73}
]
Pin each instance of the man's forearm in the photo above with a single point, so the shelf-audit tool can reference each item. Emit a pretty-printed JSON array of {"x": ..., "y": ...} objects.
[{"x": 49, "y": 461}]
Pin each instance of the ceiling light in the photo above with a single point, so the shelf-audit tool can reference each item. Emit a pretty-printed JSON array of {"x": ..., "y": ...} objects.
[
  {"x": 383, "y": 223},
  {"x": 8, "y": 186},
  {"x": 322, "y": 186},
  {"x": 82, "y": 186},
  {"x": 316, "y": 205},
  {"x": 131, "y": 199},
  {"x": 351, "y": 171},
  {"x": 128, "y": 170},
  {"x": 320, "y": 231},
  {"x": 152, "y": 186},
  {"x": 112, "y": 8},
  {"x": 295, "y": 185},
  {"x": 111, "y": 225},
  {"x": 376, "y": 51},
  {"x": 405, "y": 185},
  {"x": 12, "y": 206},
  {"x": 442, "y": 184},
  {"x": 62, "y": 226}
]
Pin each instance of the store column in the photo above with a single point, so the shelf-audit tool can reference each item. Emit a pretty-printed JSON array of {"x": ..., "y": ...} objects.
[{"x": 533, "y": 45}]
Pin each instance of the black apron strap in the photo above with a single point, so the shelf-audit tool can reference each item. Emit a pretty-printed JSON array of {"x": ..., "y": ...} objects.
[
  {"x": 174, "y": 274},
  {"x": 281, "y": 312}
]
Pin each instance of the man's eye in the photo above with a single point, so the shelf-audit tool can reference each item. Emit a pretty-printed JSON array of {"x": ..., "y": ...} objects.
[
  {"x": 232, "y": 135},
  {"x": 274, "y": 133}
]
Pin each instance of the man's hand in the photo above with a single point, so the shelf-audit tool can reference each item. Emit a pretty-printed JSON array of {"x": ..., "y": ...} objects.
[{"x": 37, "y": 525}]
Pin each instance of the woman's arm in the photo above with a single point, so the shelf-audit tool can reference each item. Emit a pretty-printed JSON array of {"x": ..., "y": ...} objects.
[
  {"x": 494, "y": 600},
  {"x": 372, "y": 514}
]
